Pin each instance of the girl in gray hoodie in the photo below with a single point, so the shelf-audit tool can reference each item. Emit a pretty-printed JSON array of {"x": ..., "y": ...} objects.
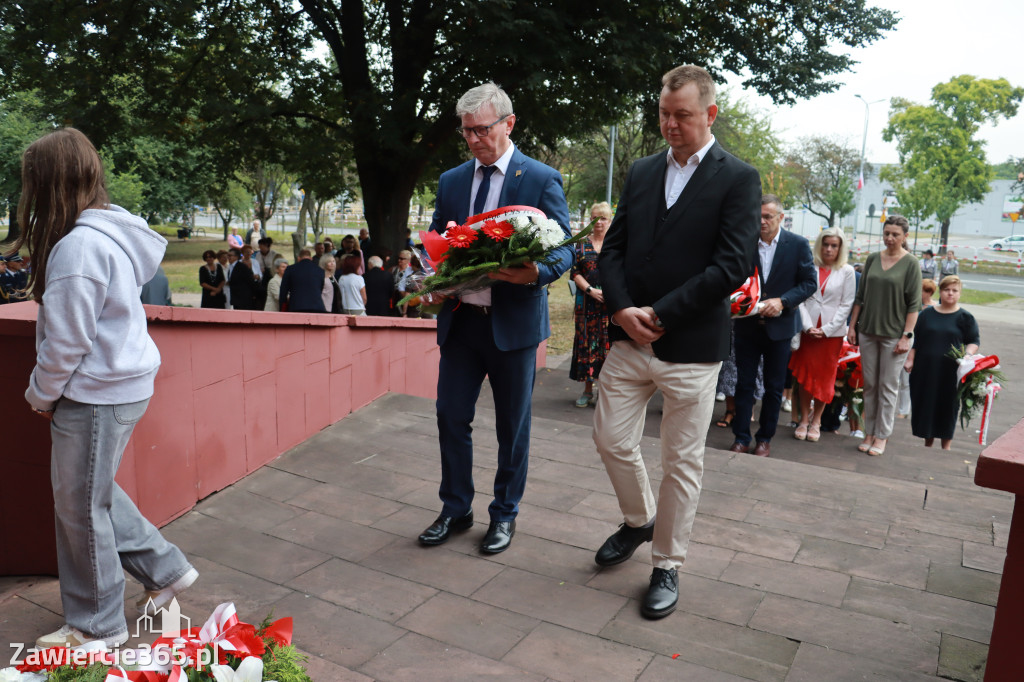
[{"x": 93, "y": 379}]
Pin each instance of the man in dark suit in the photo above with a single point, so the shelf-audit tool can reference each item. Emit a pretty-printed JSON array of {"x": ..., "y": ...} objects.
[
  {"x": 379, "y": 287},
  {"x": 492, "y": 333},
  {"x": 682, "y": 240},
  {"x": 302, "y": 286},
  {"x": 786, "y": 269}
]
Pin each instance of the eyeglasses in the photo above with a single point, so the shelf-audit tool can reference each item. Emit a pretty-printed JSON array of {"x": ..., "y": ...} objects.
[{"x": 479, "y": 131}]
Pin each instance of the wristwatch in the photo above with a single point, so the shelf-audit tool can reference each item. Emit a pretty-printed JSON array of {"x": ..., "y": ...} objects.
[
  {"x": 587, "y": 290},
  {"x": 909, "y": 335}
]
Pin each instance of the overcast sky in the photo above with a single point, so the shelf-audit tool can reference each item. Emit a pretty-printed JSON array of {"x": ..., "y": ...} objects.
[{"x": 934, "y": 41}]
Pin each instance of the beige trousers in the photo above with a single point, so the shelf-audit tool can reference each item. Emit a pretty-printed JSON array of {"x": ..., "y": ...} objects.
[
  {"x": 881, "y": 368},
  {"x": 629, "y": 377}
]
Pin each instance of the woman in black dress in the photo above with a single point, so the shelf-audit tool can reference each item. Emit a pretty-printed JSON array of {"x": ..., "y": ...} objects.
[
  {"x": 933, "y": 382},
  {"x": 211, "y": 280}
]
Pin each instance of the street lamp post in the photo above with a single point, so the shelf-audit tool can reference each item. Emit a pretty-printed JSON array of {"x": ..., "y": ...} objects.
[{"x": 863, "y": 149}]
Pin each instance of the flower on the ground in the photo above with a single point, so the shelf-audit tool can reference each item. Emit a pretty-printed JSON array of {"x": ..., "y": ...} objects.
[
  {"x": 249, "y": 670},
  {"x": 15, "y": 675},
  {"x": 460, "y": 236},
  {"x": 498, "y": 231}
]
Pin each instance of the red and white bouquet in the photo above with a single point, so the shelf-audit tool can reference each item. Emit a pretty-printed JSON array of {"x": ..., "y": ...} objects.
[
  {"x": 978, "y": 382},
  {"x": 460, "y": 259},
  {"x": 850, "y": 379},
  {"x": 746, "y": 300}
]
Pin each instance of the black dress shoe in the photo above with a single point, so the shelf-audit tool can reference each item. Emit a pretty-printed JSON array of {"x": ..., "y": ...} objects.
[
  {"x": 439, "y": 531},
  {"x": 622, "y": 543},
  {"x": 662, "y": 595},
  {"x": 499, "y": 537}
]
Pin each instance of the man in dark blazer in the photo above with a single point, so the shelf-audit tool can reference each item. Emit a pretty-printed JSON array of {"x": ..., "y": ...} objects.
[
  {"x": 380, "y": 286},
  {"x": 786, "y": 270},
  {"x": 492, "y": 333},
  {"x": 302, "y": 286},
  {"x": 682, "y": 240}
]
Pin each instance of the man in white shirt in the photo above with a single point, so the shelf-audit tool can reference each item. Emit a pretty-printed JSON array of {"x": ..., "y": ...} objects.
[{"x": 788, "y": 276}]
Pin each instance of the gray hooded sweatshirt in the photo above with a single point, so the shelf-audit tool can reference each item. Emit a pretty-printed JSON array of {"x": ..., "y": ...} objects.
[{"x": 92, "y": 344}]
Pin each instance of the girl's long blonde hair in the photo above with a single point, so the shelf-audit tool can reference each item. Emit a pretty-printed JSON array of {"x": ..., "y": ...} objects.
[{"x": 61, "y": 176}]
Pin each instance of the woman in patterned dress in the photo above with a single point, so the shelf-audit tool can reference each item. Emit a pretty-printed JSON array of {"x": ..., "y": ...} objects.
[{"x": 590, "y": 345}]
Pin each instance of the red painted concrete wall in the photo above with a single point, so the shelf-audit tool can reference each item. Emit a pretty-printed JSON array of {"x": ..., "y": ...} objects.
[
  {"x": 235, "y": 390},
  {"x": 1001, "y": 467}
]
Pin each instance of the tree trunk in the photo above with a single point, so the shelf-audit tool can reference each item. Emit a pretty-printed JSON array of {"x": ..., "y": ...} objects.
[
  {"x": 13, "y": 228},
  {"x": 944, "y": 240},
  {"x": 300, "y": 229},
  {"x": 386, "y": 200}
]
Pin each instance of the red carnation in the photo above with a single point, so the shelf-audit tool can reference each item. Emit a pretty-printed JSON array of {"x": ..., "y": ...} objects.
[
  {"x": 460, "y": 236},
  {"x": 497, "y": 231}
]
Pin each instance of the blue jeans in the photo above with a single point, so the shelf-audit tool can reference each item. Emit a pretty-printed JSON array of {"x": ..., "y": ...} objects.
[
  {"x": 467, "y": 356},
  {"x": 99, "y": 528}
]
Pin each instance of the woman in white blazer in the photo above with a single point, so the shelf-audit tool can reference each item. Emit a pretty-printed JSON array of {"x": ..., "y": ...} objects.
[{"x": 823, "y": 319}]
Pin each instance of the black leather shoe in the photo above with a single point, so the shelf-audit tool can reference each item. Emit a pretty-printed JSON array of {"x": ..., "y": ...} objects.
[
  {"x": 662, "y": 595},
  {"x": 443, "y": 527},
  {"x": 622, "y": 543},
  {"x": 499, "y": 537}
]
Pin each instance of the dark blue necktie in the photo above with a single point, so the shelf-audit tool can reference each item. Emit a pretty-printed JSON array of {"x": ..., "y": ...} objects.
[{"x": 485, "y": 187}]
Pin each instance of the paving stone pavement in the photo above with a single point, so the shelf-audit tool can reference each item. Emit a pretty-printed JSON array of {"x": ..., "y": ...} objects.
[{"x": 819, "y": 563}]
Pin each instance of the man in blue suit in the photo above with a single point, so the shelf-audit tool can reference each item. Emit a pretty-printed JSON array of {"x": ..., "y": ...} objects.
[
  {"x": 788, "y": 276},
  {"x": 495, "y": 332}
]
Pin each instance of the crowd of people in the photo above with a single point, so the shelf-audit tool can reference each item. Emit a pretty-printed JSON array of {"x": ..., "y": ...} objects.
[
  {"x": 809, "y": 313},
  {"x": 881, "y": 310},
  {"x": 323, "y": 280}
]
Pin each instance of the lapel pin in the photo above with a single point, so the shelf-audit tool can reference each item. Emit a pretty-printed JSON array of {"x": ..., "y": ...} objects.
[{"x": 518, "y": 173}]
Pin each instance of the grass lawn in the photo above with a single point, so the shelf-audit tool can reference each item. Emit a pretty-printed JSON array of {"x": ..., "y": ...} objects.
[
  {"x": 978, "y": 297},
  {"x": 563, "y": 326}
]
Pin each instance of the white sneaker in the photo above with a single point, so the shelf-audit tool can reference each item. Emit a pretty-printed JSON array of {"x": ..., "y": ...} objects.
[
  {"x": 857, "y": 434},
  {"x": 787, "y": 405},
  {"x": 152, "y": 601},
  {"x": 69, "y": 636}
]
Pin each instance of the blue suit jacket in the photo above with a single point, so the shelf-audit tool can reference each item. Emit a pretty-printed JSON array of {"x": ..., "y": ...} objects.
[
  {"x": 792, "y": 278},
  {"x": 301, "y": 287},
  {"x": 519, "y": 313}
]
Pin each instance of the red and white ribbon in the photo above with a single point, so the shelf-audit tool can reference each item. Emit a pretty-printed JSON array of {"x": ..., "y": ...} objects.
[
  {"x": 969, "y": 364},
  {"x": 992, "y": 387}
]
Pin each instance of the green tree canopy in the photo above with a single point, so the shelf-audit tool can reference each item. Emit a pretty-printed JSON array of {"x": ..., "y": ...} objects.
[
  {"x": 824, "y": 168},
  {"x": 217, "y": 69},
  {"x": 937, "y": 146}
]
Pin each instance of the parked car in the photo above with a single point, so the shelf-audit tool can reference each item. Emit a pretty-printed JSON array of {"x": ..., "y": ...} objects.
[{"x": 1014, "y": 243}]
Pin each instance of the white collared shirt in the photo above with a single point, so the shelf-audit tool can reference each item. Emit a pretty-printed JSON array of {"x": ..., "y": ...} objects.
[
  {"x": 490, "y": 204},
  {"x": 497, "y": 181},
  {"x": 677, "y": 176},
  {"x": 767, "y": 254}
]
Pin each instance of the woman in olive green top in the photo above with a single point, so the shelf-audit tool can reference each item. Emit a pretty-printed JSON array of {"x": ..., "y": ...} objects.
[{"x": 884, "y": 314}]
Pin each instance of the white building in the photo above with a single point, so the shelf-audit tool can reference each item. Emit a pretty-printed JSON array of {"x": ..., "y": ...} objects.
[{"x": 989, "y": 218}]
